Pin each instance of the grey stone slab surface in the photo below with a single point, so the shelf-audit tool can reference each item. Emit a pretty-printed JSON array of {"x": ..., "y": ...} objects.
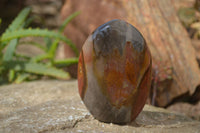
[{"x": 55, "y": 106}]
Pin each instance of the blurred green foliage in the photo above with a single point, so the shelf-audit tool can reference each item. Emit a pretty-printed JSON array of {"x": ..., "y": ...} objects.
[{"x": 15, "y": 67}]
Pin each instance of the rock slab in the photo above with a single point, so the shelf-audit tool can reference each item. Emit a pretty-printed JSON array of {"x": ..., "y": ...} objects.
[{"x": 55, "y": 106}]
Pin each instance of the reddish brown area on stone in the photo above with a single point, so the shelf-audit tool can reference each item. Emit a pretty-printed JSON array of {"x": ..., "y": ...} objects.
[
  {"x": 115, "y": 80},
  {"x": 82, "y": 79},
  {"x": 123, "y": 75},
  {"x": 142, "y": 94},
  {"x": 143, "y": 91}
]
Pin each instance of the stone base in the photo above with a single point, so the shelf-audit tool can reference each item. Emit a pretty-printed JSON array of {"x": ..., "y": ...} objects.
[{"x": 55, "y": 106}]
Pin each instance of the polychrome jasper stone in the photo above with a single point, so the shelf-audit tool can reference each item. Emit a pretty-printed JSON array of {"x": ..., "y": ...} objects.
[{"x": 114, "y": 72}]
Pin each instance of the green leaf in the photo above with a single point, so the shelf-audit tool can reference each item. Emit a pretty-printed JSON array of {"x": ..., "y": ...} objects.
[
  {"x": 66, "y": 62},
  {"x": 37, "y": 68},
  {"x": 19, "y": 56},
  {"x": 18, "y": 21},
  {"x": 40, "y": 57},
  {"x": 8, "y": 55},
  {"x": 11, "y": 75},
  {"x": 21, "y": 77},
  {"x": 53, "y": 48},
  {"x": 28, "y": 22},
  {"x": 37, "y": 32},
  {"x": 48, "y": 42},
  {"x": 54, "y": 45},
  {"x": 67, "y": 20}
]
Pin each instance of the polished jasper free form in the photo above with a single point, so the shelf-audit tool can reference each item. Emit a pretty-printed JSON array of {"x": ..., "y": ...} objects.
[{"x": 114, "y": 72}]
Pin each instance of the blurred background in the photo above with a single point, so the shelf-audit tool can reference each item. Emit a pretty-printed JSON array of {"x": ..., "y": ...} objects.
[{"x": 171, "y": 29}]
